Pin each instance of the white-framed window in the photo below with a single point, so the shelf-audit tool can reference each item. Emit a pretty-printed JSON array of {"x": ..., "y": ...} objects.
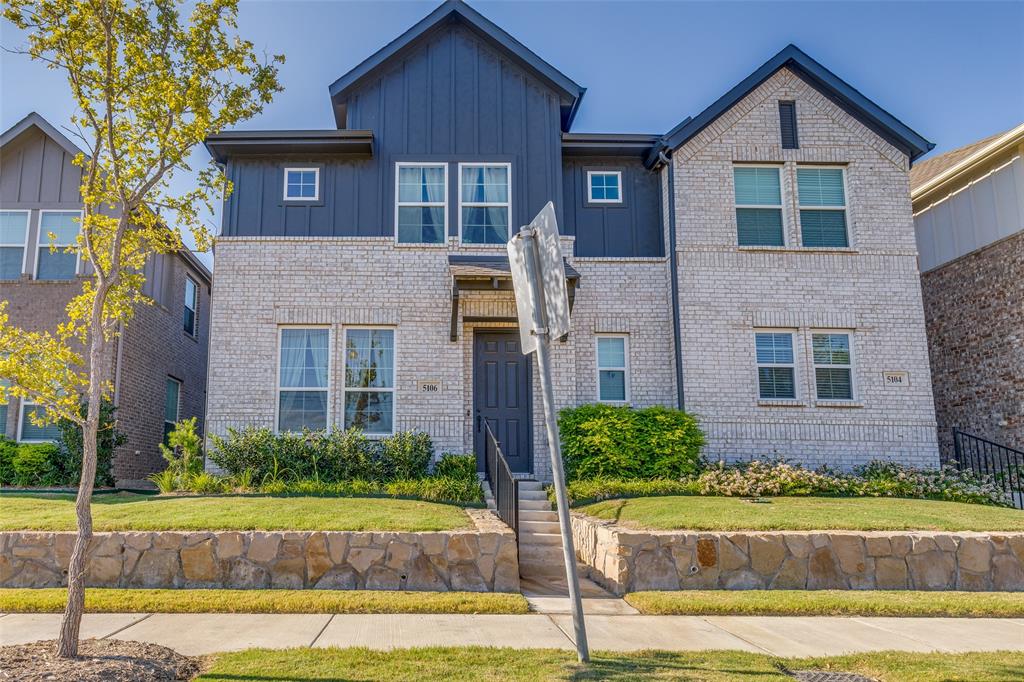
[
  {"x": 421, "y": 203},
  {"x": 612, "y": 368},
  {"x": 301, "y": 184},
  {"x": 485, "y": 202},
  {"x": 13, "y": 238},
  {"x": 776, "y": 367},
  {"x": 191, "y": 306},
  {"x": 833, "y": 365},
  {"x": 370, "y": 379},
  {"x": 758, "y": 196},
  {"x": 172, "y": 401},
  {"x": 604, "y": 187},
  {"x": 28, "y": 432},
  {"x": 56, "y": 262},
  {"x": 303, "y": 378},
  {"x": 822, "y": 195}
]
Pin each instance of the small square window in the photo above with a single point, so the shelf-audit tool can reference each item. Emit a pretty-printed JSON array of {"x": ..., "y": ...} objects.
[
  {"x": 612, "y": 369},
  {"x": 604, "y": 187},
  {"x": 301, "y": 184}
]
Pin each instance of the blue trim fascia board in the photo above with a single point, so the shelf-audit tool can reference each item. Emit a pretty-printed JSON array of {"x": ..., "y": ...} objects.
[
  {"x": 234, "y": 143},
  {"x": 453, "y": 11},
  {"x": 849, "y": 98}
]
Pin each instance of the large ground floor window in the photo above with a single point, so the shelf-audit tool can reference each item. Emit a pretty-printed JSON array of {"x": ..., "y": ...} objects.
[
  {"x": 302, "y": 379},
  {"x": 370, "y": 380}
]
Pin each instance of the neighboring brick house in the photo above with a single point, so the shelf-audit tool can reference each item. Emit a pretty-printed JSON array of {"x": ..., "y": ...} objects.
[
  {"x": 361, "y": 276},
  {"x": 969, "y": 217},
  {"x": 159, "y": 362}
]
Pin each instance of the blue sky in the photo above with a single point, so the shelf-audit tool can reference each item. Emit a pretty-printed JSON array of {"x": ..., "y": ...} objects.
[{"x": 952, "y": 71}]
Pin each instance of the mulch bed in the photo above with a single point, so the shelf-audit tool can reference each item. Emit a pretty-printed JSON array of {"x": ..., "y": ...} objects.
[{"x": 99, "y": 660}]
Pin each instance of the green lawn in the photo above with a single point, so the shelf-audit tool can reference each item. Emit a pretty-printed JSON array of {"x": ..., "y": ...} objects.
[
  {"x": 103, "y": 600},
  {"x": 125, "y": 511},
  {"x": 903, "y": 603},
  {"x": 474, "y": 663},
  {"x": 804, "y": 513}
]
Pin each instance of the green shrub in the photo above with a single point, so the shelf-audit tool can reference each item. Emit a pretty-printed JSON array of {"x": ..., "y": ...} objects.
[
  {"x": 184, "y": 456},
  {"x": 68, "y": 463},
  {"x": 404, "y": 455},
  {"x": 207, "y": 483},
  {"x": 597, "y": 489},
  {"x": 8, "y": 449},
  {"x": 887, "y": 479},
  {"x": 756, "y": 479},
  {"x": 37, "y": 464},
  {"x": 605, "y": 440},
  {"x": 462, "y": 467},
  {"x": 434, "y": 489}
]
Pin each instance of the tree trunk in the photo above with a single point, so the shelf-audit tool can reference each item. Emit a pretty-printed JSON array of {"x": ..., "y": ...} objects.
[{"x": 67, "y": 642}]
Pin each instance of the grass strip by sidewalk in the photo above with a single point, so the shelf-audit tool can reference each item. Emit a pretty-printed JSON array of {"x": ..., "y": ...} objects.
[
  {"x": 108, "y": 600},
  {"x": 829, "y": 603},
  {"x": 128, "y": 512},
  {"x": 476, "y": 663},
  {"x": 681, "y": 512}
]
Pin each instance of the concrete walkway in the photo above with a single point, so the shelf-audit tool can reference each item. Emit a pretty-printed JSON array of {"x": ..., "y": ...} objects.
[{"x": 196, "y": 634}]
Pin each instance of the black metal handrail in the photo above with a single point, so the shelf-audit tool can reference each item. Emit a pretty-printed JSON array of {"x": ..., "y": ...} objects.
[
  {"x": 984, "y": 457},
  {"x": 504, "y": 485}
]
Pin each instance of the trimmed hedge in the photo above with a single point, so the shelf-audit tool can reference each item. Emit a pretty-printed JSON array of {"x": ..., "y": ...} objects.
[{"x": 605, "y": 440}]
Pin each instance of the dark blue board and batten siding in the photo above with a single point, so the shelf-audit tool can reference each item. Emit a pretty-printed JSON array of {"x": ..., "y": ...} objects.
[
  {"x": 452, "y": 99},
  {"x": 629, "y": 229}
]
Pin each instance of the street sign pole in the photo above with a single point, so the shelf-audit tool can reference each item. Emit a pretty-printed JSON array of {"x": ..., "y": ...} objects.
[{"x": 535, "y": 278}]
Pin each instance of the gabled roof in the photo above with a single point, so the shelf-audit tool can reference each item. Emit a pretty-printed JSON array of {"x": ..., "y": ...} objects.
[
  {"x": 34, "y": 119},
  {"x": 839, "y": 91},
  {"x": 932, "y": 172},
  {"x": 456, "y": 11}
]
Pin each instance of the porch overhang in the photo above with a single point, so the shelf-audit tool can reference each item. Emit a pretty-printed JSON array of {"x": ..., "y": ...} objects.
[{"x": 491, "y": 273}]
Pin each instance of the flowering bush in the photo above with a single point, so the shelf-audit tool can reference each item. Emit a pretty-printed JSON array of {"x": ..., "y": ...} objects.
[{"x": 780, "y": 478}]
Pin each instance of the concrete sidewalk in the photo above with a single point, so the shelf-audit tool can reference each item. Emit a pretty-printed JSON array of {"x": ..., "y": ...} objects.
[{"x": 195, "y": 634}]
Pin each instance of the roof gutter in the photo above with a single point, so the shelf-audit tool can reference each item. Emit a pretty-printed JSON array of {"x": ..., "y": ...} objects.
[
  {"x": 673, "y": 260},
  {"x": 967, "y": 164}
]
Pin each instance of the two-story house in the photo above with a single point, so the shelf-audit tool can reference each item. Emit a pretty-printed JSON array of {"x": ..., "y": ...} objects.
[
  {"x": 755, "y": 265},
  {"x": 158, "y": 362}
]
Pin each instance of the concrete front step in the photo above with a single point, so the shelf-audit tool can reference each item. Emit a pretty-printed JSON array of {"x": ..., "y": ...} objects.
[
  {"x": 546, "y": 515},
  {"x": 528, "y": 538},
  {"x": 530, "y": 485},
  {"x": 534, "y": 505},
  {"x": 544, "y": 526},
  {"x": 532, "y": 495}
]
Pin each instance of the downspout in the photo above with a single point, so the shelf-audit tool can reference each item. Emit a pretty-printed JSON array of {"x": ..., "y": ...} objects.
[{"x": 673, "y": 260}]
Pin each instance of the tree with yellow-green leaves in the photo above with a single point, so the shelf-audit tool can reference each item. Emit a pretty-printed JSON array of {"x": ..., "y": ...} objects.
[{"x": 150, "y": 82}]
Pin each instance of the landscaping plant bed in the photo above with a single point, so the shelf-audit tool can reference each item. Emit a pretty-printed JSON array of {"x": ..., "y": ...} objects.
[{"x": 103, "y": 660}]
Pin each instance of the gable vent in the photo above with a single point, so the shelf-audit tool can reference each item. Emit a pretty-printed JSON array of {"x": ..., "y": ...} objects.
[{"x": 787, "y": 122}]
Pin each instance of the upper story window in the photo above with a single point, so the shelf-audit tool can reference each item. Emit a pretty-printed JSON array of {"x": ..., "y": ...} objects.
[
  {"x": 57, "y": 262},
  {"x": 612, "y": 368},
  {"x": 758, "y": 205},
  {"x": 604, "y": 187},
  {"x": 191, "y": 305},
  {"x": 370, "y": 380},
  {"x": 776, "y": 370},
  {"x": 302, "y": 382},
  {"x": 833, "y": 366},
  {"x": 421, "y": 211},
  {"x": 13, "y": 232},
  {"x": 822, "y": 194},
  {"x": 301, "y": 184},
  {"x": 485, "y": 202}
]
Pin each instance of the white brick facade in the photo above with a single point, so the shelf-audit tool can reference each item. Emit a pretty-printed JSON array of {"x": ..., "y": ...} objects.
[{"x": 871, "y": 289}]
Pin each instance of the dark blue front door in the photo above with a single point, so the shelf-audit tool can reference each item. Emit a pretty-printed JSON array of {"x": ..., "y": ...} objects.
[{"x": 501, "y": 397}]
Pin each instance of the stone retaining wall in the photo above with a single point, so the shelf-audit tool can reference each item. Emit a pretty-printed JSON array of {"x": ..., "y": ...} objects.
[
  {"x": 627, "y": 560},
  {"x": 480, "y": 560}
]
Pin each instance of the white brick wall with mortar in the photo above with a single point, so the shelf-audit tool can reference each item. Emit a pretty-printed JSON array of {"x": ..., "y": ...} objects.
[
  {"x": 343, "y": 282},
  {"x": 872, "y": 289}
]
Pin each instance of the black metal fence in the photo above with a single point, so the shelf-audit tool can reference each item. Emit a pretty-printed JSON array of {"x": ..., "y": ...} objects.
[
  {"x": 504, "y": 485},
  {"x": 983, "y": 457}
]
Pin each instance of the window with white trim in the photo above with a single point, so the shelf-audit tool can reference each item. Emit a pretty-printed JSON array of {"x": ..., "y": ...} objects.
[
  {"x": 303, "y": 378},
  {"x": 612, "y": 368},
  {"x": 13, "y": 233},
  {"x": 421, "y": 197},
  {"x": 58, "y": 230},
  {"x": 485, "y": 202},
  {"x": 833, "y": 365},
  {"x": 822, "y": 196},
  {"x": 172, "y": 398},
  {"x": 758, "y": 196},
  {"x": 604, "y": 187},
  {"x": 776, "y": 369},
  {"x": 29, "y": 431},
  {"x": 301, "y": 184},
  {"x": 370, "y": 380},
  {"x": 191, "y": 305}
]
